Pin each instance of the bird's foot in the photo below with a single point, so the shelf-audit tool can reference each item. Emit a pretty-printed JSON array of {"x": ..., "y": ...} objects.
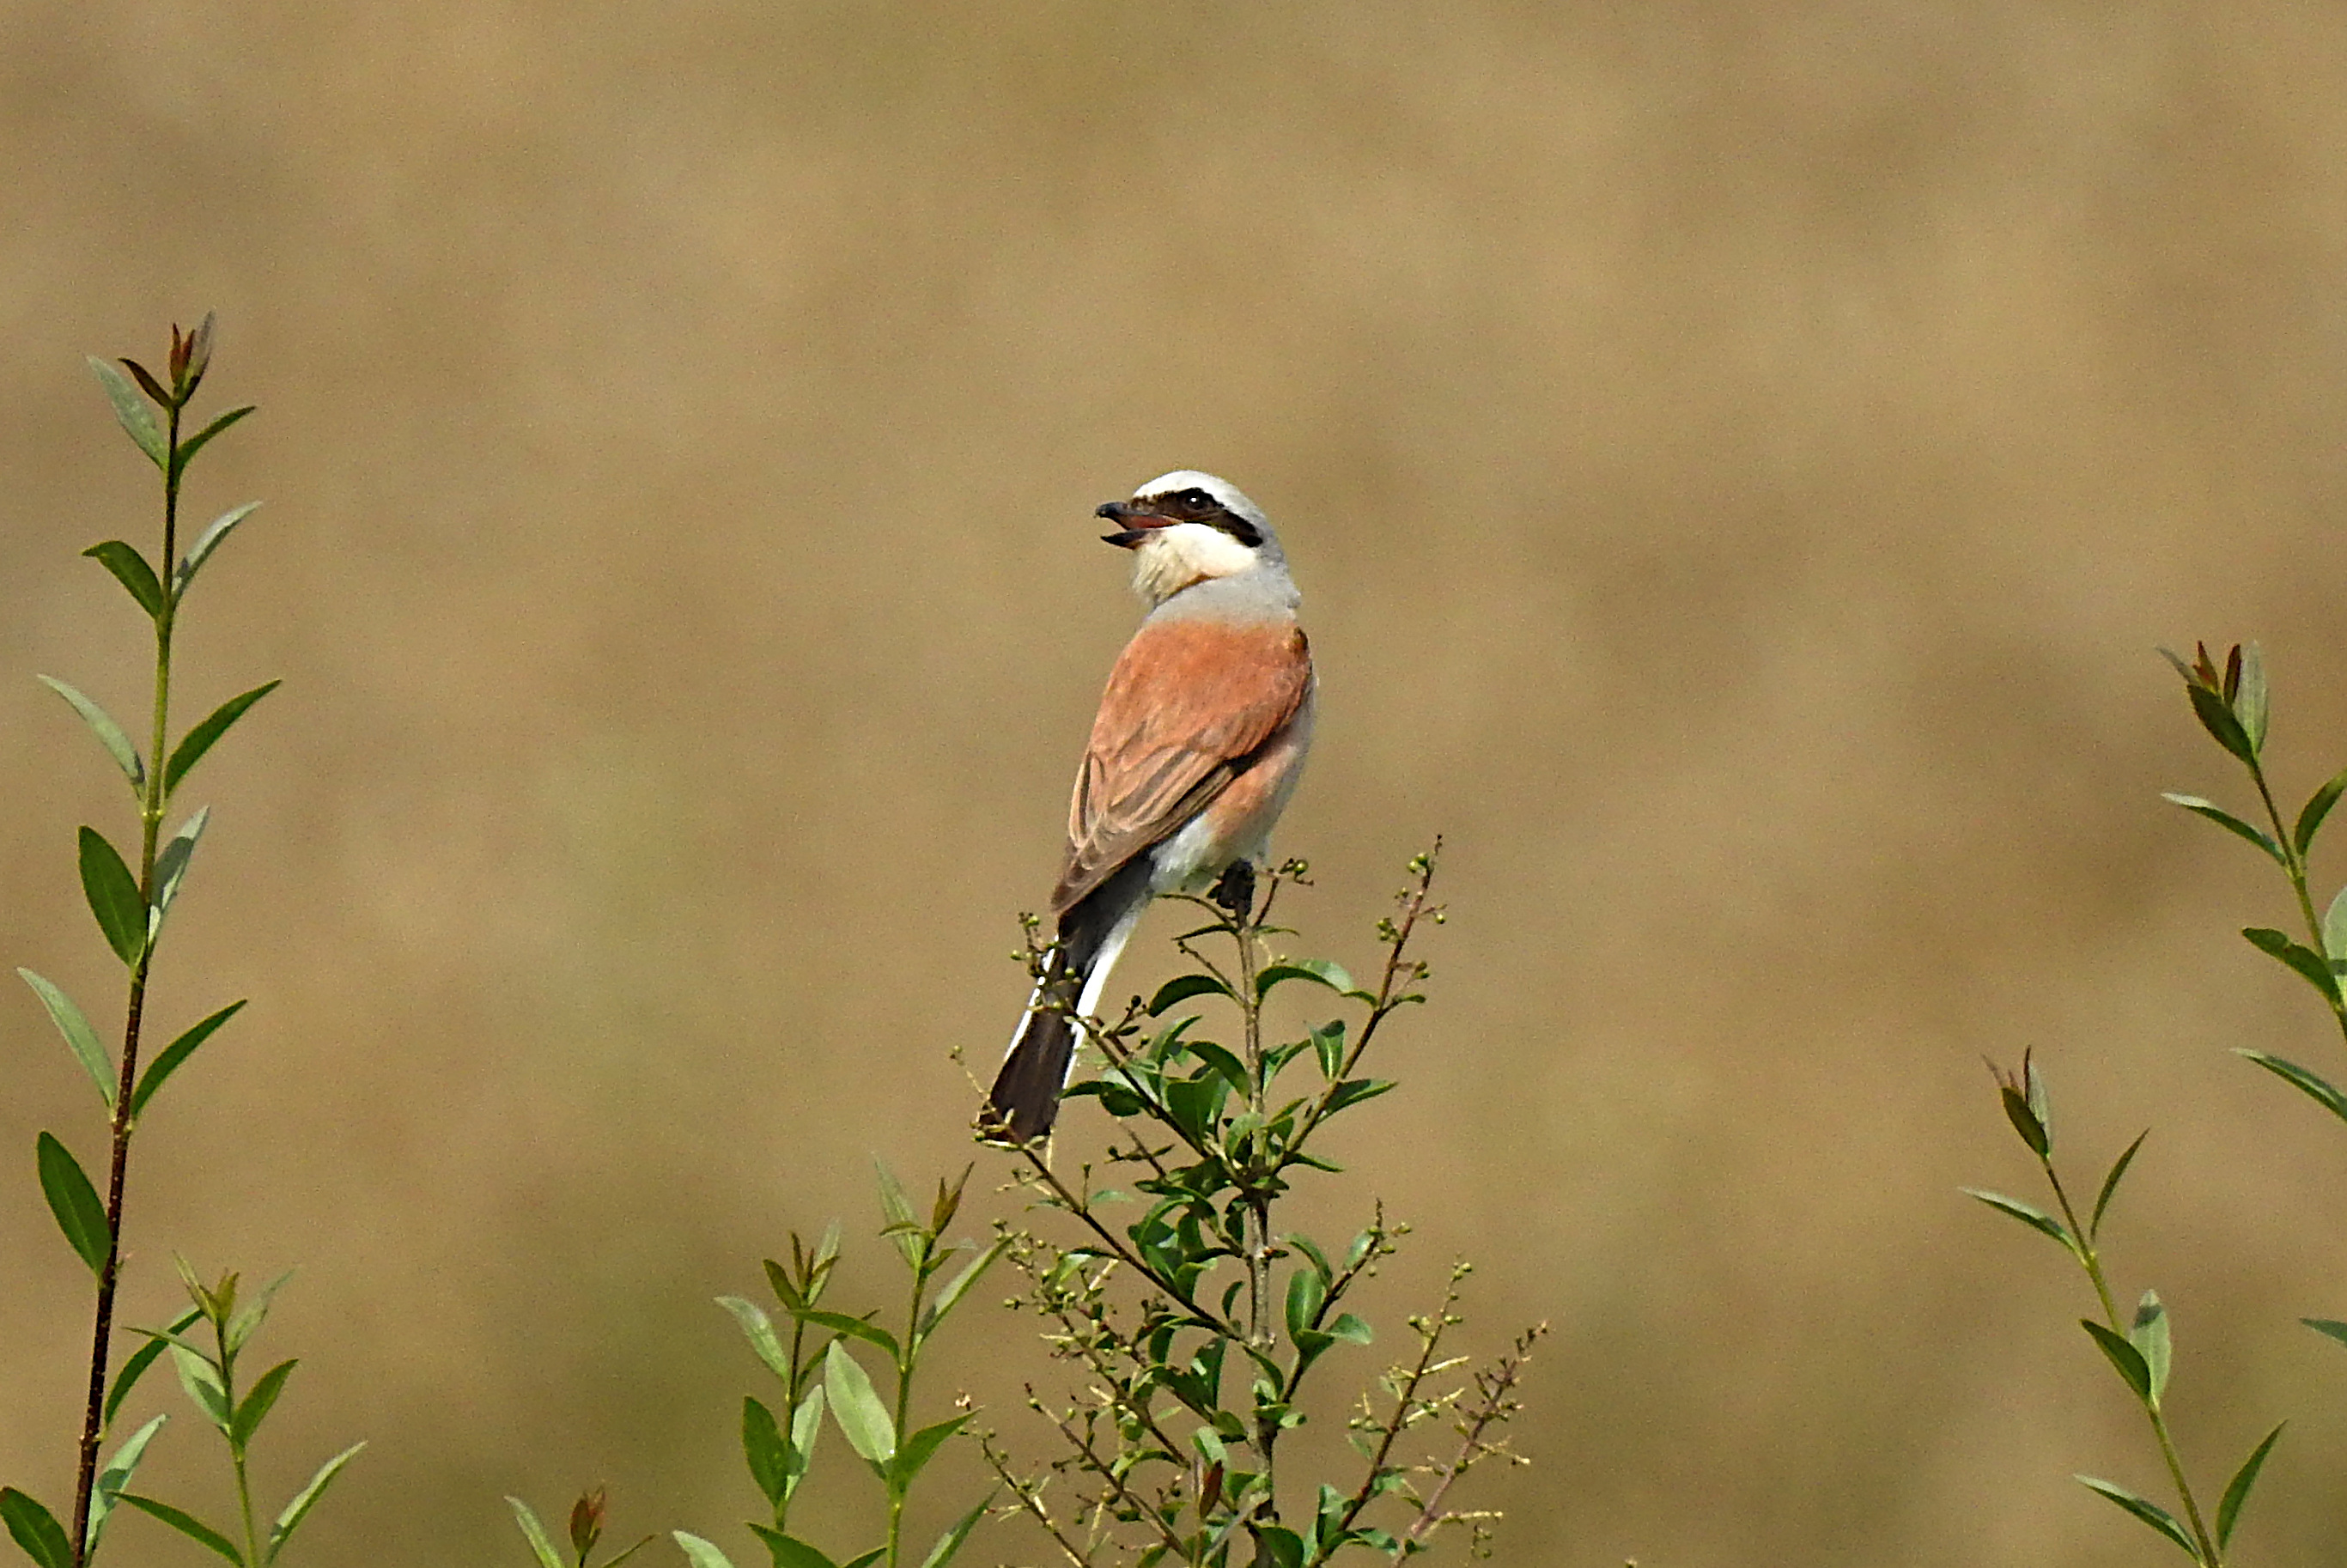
[{"x": 1236, "y": 891}]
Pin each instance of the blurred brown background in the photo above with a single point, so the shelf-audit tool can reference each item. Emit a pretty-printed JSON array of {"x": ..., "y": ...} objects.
[{"x": 1739, "y": 460}]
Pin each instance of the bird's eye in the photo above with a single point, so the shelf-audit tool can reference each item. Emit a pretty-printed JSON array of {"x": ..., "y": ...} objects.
[{"x": 1198, "y": 498}]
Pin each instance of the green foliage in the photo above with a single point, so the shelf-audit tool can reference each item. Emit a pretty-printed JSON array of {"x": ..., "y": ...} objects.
[
  {"x": 1194, "y": 1327},
  {"x": 129, "y": 896}
]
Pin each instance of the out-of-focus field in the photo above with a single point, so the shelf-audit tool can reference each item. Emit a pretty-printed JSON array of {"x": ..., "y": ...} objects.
[{"x": 1740, "y": 461}]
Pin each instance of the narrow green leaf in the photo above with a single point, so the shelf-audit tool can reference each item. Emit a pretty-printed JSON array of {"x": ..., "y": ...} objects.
[
  {"x": 2334, "y": 928},
  {"x": 541, "y": 1545},
  {"x": 1350, "y": 1329},
  {"x": 2227, "y": 820},
  {"x": 141, "y": 1360},
  {"x": 766, "y": 1451},
  {"x": 201, "y": 1380},
  {"x": 630, "y": 1551},
  {"x": 2219, "y": 720},
  {"x": 1320, "y": 971},
  {"x": 2249, "y": 702},
  {"x": 702, "y": 1553},
  {"x": 113, "y": 895},
  {"x": 759, "y": 1329},
  {"x": 2310, "y": 966},
  {"x": 198, "y": 741},
  {"x": 36, "y": 1528},
  {"x": 130, "y": 411},
  {"x": 2309, "y": 1083},
  {"x": 1182, "y": 988},
  {"x": 2329, "y": 1327},
  {"x": 195, "y": 444},
  {"x": 2150, "y": 1513},
  {"x": 922, "y": 1447},
  {"x": 110, "y": 734},
  {"x": 1353, "y": 1091},
  {"x": 80, "y": 1039},
  {"x": 862, "y": 1419},
  {"x": 253, "y": 1408},
  {"x": 288, "y": 1518},
  {"x": 2149, "y": 1335},
  {"x": 175, "y": 1055},
  {"x": 73, "y": 1202},
  {"x": 147, "y": 383},
  {"x": 210, "y": 540},
  {"x": 950, "y": 1541},
  {"x": 807, "y": 1428},
  {"x": 131, "y": 570},
  {"x": 852, "y": 1327},
  {"x": 790, "y": 1551},
  {"x": 1329, "y": 1048},
  {"x": 2122, "y": 1356},
  {"x": 2236, "y": 1491},
  {"x": 2111, "y": 1184},
  {"x": 959, "y": 1286},
  {"x": 1305, "y": 1295},
  {"x": 865, "y": 1560},
  {"x": 2318, "y": 806},
  {"x": 114, "y": 1478},
  {"x": 171, "y": 868},
  {"x": 186, "y": 1524},
  {"x": 248, "y": 1319}
]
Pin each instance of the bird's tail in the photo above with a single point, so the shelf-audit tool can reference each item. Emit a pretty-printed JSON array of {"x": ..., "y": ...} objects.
[{"x": 1025, "y": 1099}]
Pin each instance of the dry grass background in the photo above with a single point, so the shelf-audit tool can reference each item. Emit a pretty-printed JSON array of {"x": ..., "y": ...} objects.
[{"x": 1740, "y": 460}]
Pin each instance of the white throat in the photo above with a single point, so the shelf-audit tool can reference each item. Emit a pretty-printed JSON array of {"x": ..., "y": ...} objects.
[{"x": 1173, "y": 558}]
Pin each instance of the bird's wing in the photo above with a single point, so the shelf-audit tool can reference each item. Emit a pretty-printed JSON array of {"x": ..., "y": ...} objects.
[{"x": 1188, "y": 704}]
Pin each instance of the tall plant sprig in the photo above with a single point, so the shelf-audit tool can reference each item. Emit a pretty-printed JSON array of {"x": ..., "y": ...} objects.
[
  {"x": 2140, "y": 1346},
  {"x": 129, "y": 909},
  {"x": 1163, "y": 1315}
]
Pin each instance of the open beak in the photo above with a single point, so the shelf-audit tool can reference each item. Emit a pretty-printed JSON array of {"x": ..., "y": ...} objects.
[{"x": 1126, "y": 512}]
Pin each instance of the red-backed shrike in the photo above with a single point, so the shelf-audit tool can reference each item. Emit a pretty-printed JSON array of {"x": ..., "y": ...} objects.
[{"x": 1200, "y": 738}]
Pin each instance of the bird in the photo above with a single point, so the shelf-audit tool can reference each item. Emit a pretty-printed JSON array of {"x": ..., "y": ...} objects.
[{"x": 1199, "y": 742}]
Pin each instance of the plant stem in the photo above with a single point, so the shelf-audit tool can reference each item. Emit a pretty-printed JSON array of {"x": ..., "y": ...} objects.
[
  {"x": 150, "y": 816},
  {"x": 2210, "y": 1555},
  {"x": 2294, "y": 865},
  {"x": 905, "y": 1395}
]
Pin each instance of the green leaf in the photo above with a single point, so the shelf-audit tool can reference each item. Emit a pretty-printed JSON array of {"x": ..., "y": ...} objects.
[
  {"x": 2330, "y": 1326},
  {"x": 195, "y": 444},
  {"x": 1306, "y": 1295},
  {"x": 80, "y": 1039},
  {"x": 131, "y": 570},
  {"x": 862, "y": 1419},
  {"x": 113, "y": 896},
  {"x": 171, "y": 866},
  {"x": 198, "y": 741},
  {"x": 249, "y": 1318},
  {"x": 960, "y": 1286},
  {"x": 865, "y": 1560},
  {"x": 110, "y": 734},
  {"x": 202, "y": 1381},
  {"x": 1350, "y": 1329},
  {"x": 290, "y": 1517},
  {"x": 115, "y": 1477},
  {"x": 540, "y": 1545},
  {"x": 210, "y": 540},
  {"x": 2124, "y": 1357},
  {"x": 2219, "y": 720},
  {"x": 702, "y": 1553},
  {"x": 950, "y": 1541},
  {"x": 2318, "y": 806},
  {"x": 130, "y": 411},
  {"x": 2334, "y": 928},
  {"x": 807, "y": 1428},
  {"x": 147, "y": 383},
  {"x": 2150, "y": 1513},
  {"x": 759, "y": 1329},
  {"x": 1182, "y": 988},
  {"x": 922, "y": 1447},
  {"x": 254, "y": 1407},
  {"x": 176, "y": 1054},
  {"x": 2249, "y": 702},
  {"x": 141, "y": 1360},
  {"x": 73, "y": 1202},
  {"x": 1353, "y": 1091},
  {"x": 186, "y": 1524},
  {"x": 2236, "y": 1491},
  {"x": 2311, "y": 1084},
  {"x": 904, "y": 1228},
  {"x": 1276, "y": 1546},
  {"x": 1321, "y": 971},
  {"x": 2149, "y": 1335},
  {"x": 2111, "y": 1184},
  {"x": 764, "y": 1450},
  {"x": 36, "y": 1528},
  {"x": 2310, "y": 966},
  {"x": 789, "y": 1551},
  {"x": 2227, "y": 820},
  {"x": 852, "y": 1327}
]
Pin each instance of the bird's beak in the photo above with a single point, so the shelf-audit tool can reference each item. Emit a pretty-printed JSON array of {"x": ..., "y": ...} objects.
[{"x": 1141, "y": 522}]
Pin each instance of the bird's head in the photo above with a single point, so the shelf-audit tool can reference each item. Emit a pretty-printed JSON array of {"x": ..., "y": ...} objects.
[{"x": 1184, "y": 527}]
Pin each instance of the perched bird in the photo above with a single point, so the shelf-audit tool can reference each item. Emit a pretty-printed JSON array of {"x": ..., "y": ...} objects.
[{"x": 1201, "y": 736}]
